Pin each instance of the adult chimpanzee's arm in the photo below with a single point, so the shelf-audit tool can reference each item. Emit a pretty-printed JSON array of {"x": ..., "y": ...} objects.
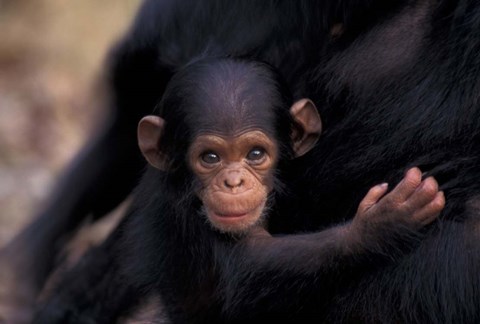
[
  {"x": 101, "y": 176},
  {"x": 104, "y": 172},
  {"x": 96, "y": 293}
]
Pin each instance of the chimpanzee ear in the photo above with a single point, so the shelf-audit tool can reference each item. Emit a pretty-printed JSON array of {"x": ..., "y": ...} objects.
[
  {"x": 308, "y": 126},
  {"x": 149, "y": 131}
]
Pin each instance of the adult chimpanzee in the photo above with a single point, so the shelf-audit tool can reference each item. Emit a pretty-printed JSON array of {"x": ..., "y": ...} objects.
[
  {"x": 223, "y": 138},
  {"x": 397, "y": 85}
]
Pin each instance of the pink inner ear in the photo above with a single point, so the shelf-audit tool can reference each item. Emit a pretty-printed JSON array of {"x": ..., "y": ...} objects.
[
  {"x": 306, "y": 116},
  {"x": 149, "y": 132},
  {"x": 305, "y": 113}
]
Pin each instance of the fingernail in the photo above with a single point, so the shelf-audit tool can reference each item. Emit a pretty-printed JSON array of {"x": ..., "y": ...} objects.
[{"x": 384, "y": 185}]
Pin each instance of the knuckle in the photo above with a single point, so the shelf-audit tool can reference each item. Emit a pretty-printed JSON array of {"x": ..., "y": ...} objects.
[
  {"x": 365, "y": 209},
  {"x": 421, "y": 215},
  {"x": 393, "y": 203}
]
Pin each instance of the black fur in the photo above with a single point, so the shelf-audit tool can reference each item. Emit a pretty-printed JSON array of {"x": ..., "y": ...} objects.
[
  {"x": 399, "y": 87},
  {"x": 166, "y": 246}
]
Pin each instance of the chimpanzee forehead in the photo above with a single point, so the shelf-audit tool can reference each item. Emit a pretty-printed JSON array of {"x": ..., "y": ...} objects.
[
  {"x": 230, "y": 104},
  {"x": 233, "y": 118}
]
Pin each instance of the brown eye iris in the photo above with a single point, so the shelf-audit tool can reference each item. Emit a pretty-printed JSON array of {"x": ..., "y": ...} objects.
[
  {"x": 210, "y": 158},
  {"x": 256, "y": 154}
]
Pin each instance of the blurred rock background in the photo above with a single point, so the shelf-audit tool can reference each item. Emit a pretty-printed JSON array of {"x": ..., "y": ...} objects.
[{"x": 51, "y": 62}]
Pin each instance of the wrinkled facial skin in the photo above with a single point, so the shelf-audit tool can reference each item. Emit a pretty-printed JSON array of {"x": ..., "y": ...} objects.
[{"x": 236, "y": 174}]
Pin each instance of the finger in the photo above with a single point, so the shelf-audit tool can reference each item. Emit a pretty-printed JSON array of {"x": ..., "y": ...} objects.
[
  {"x": 424, "y": 194},
  {"x": 407, "y": 186},
  {"x": 372, "y": 197},
  {"x": 430, "y": 212}
]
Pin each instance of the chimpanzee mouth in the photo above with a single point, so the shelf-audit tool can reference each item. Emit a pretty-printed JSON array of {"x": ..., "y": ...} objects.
[
  {"x": 238, "y": 214},
  {"x": 231, "y": 215}
]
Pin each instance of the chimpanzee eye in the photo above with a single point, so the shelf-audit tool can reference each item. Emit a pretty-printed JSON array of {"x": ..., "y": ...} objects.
[
  {"x": 256, "y": 154},
  {"x": 210, "y": 157}
]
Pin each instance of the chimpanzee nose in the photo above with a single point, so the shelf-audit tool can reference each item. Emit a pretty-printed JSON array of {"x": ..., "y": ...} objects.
[{"x": 233, "y": 179}]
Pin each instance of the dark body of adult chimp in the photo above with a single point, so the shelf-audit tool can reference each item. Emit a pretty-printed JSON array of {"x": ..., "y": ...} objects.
[
  {"x": 397, "y": 85},
  {"x": 224, "y": 136}
]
